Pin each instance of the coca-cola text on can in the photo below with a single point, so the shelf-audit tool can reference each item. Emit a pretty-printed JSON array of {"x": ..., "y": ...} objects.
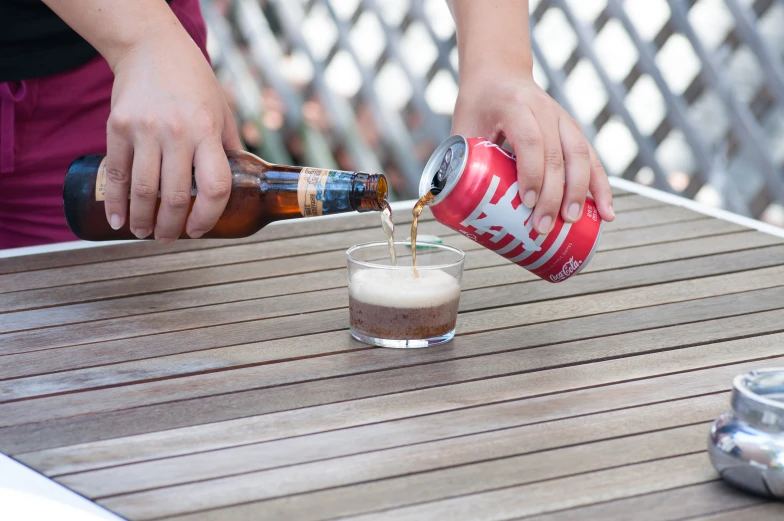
[{"x": 477, "y": 194}]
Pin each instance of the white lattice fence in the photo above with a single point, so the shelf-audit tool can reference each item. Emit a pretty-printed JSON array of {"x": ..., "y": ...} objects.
[{"x": 687, "y": 96}]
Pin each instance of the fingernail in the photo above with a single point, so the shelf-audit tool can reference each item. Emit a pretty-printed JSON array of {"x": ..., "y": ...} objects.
[
  {"x": 115, "y": 221},
  {"x": 165, "y": 240},
  {"x": 195, "y": 234},
  {"x": 530, "y": 199},
  {"x": 574, "y": 212},
  {"x": 141, "y": 233},
  {"x": 545, "y": 225},
  {"x": 612, "y": 211}
]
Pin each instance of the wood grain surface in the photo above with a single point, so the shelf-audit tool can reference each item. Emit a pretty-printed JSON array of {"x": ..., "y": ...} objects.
[{"x": 216, "y": 380}]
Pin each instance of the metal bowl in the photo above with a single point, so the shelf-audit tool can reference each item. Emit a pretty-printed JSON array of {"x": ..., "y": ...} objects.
[{"x": 746, "y": 444}]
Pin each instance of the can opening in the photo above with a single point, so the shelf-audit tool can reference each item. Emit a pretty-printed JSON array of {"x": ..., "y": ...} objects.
[
  {"x": 444, "y": 167},
  {"x": 439, "y": 179}
]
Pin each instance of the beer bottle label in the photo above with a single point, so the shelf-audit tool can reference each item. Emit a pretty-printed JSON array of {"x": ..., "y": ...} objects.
[
  {"x": 323, "y": 192},
  {"x": 310, "y": 191},
  {"x": 100, "y": 183}
]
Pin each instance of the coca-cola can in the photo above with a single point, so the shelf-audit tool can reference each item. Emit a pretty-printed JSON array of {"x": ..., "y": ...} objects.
[{"x": 477, "y": 194}]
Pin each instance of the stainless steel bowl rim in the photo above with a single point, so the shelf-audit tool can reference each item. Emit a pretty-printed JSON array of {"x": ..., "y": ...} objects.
[{"x": 752, "y": 405}]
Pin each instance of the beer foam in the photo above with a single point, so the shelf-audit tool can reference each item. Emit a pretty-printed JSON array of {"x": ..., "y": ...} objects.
[{"x": 402, "y": 289}]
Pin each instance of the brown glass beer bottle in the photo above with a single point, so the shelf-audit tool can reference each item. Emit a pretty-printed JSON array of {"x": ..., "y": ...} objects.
[{"x": 261, "y": 193}]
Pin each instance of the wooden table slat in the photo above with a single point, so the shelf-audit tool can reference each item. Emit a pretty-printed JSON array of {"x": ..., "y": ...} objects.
[
  {"x": 632, "y": 202},
  {"x": 631, "y": 476},
  {"x": 602, "y": 485},
  {"x": 679, "y": 504},
  {"x": 667, "y": 233},
  {"x": 326, "y": 459},
  {"x": 766, "y": 512},
  {"x": 473, "y": 464}
]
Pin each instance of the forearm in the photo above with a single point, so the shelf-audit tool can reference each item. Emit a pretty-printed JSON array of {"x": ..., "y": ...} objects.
[
  {"x": 115, "y": 27},
  {"x": 492, "y": 33}
]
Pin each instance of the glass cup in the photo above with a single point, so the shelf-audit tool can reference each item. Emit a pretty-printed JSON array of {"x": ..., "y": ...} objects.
[{"x": 402, "y": 306}]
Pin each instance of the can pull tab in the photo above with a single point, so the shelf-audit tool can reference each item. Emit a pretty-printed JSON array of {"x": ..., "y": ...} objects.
[{"x": 439, "y": 180}]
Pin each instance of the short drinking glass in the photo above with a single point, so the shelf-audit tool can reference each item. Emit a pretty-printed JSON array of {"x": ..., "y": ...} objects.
[{"x": 400, "y": 305}]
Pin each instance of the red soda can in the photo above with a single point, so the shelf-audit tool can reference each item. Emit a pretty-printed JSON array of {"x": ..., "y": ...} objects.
[{"x": 477, "y": 194}]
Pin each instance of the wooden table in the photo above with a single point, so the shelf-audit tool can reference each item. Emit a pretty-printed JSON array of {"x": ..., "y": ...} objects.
[{"x": 217, "y": 380}]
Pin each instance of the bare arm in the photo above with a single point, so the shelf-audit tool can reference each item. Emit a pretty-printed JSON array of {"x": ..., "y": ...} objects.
[
  {"x": 168, "y": 115},
  {"x": 499, "y": 100},
  {"x": 492, "y": 31},
  {"x": 114, "y": 28}
]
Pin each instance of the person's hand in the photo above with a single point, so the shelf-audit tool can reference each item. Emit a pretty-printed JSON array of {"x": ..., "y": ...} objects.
[
  {"x": 168, "y": 115},
  {"x": 500, "y": 103}
]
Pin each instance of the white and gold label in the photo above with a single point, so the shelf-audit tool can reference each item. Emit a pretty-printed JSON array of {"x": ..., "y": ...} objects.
[
  {"x": 100, "y": 181},
  {"x": 310, "y": 191}
]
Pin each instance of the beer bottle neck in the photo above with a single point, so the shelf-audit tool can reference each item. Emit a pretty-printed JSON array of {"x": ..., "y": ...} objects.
[{"x": 368, "y": 192}]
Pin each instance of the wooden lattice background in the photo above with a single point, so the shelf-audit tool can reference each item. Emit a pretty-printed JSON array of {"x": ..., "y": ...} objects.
[{"x": 686, "y": 96}]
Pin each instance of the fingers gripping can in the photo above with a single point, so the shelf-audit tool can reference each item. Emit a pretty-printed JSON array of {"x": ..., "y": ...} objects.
[{"x": 477, "y": 194}]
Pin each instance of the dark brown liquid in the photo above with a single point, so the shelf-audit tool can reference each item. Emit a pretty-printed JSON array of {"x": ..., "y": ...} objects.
[
  {"x": 416, "y": 212},
  {"x": 402, "y": 323},
  {"x": 388, "y": 224}
]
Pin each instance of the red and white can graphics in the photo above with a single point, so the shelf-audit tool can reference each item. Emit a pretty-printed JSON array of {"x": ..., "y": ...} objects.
[{"x": 477, "y": 194}]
